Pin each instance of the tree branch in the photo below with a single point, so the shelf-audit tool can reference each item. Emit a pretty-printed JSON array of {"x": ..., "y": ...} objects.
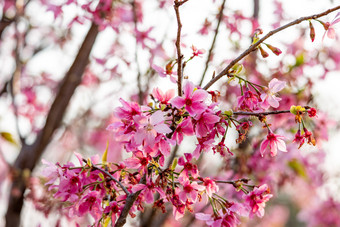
[
  {"x": 220, "y": 17},
  {"x": 111, "y": 177},
  {"x": 261, "y": 113},
  {"x": 30, "y": 154},
  {"x": 130, "y": 199},
  {"x": 178, "y": 47},
  {"x": 269, "y": 34}
]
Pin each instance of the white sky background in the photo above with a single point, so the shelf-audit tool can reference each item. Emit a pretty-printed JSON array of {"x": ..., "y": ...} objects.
[{"x": 326, "y": 92}]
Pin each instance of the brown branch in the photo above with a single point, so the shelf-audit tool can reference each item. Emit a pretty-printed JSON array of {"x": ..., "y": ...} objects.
[
  {"x": 178, "y": 46},
  {"x": 30, "y": 154},
  {"x": 220, "y": 17},
  {"x": 261, "y": 113},
  {"x": 130, "y": 199},
  {"x": 111, "y": 177},
  {"x": 256, "y": 9},
  {"x": 269, "y": 34}
]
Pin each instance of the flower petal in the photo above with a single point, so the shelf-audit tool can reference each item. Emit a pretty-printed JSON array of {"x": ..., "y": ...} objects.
[
  {"x": 178, "y": 102},
  {"x": 199, "y": 95}
]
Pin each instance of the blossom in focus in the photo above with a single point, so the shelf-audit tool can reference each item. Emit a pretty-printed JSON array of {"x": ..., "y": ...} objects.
[
  {"x": 184, "y": 128},
  {"x": 193, "y": 99},
  {"x": 188, "y": 166},
  {"x": 148, "y": 190},
  {"x": 210, "y": 186},
  {"x": 150, "y": 127},
  {"x": 190, "y": 190},
  {"x": 248, "y": 101},
  {"x": 256, "y": 200},
  {"x": 270, "y": 99},
  {"x": 275, "y": 142},
  {"x": 91, "y": 203}
]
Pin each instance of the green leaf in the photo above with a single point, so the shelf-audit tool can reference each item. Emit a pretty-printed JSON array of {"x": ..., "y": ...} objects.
[
  {"x": 8, "y": 137},
  {"x": 104, "y": 157},
  {"x": 298, "y": 168}
]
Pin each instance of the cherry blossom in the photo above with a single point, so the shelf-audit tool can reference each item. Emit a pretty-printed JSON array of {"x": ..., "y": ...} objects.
[
  {"x": 193, "y": 99},
  {"x": 270, "y": 99},
  {"x": 275, "y": 142},
  {"x": 257, "y": 199},
  {"x": 149, "y": 127}
]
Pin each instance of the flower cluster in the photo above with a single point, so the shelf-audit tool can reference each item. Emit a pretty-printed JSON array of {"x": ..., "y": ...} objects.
[{"x": 148, "y": 134}]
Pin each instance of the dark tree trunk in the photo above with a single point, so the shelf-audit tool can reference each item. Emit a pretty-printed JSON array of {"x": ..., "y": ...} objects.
[{"x": 30, "y": 154}]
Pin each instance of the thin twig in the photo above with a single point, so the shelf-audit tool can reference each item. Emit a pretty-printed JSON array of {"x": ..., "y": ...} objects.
[
  {"x": 220, "y": 17},
  {"x": 111, "y": 177},
  {"x": 261, "y": 113},
  {"x": 269, "y": 34},
  {"x": 178, "y": 46},
  {"x": 130, "y": 199}
]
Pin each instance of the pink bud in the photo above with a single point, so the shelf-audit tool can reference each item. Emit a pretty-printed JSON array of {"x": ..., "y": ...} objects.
[
  {"x": 275, "y": 50},
  {"x": 312, "y": 31},
  {"x": 263, "y": 53}
]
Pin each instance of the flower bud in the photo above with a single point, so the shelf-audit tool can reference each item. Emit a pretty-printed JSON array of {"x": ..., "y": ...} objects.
[
  {"x": 312, "y": 112},
  {"x": 312, "y": 31},
  {"x": 275, "y": 50},
  {"x": 263, "y": 53},
  {"x": 293, "y": 110},
  {"x": 174, "y": 164}
]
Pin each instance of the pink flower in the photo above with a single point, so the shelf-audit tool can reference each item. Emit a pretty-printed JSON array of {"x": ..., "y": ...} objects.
[
  {"x": 70, "y": 185},
  {"x": 150, "y": 127},
  {"x": 178, "y": 206},
  {"x": 205, "y": 122},
  {"x": 206, "y": 27},
  {"x": 142, "y": 36},
  {"x": 270, "y": 99},
  {"x": 91, "y": 203},
  {"x": 168, "y": 71},
  {"x": 114, "y": 210},
  {"x": 275, "y": 142},
  {"x": 193, "y": 99},
  {"x": 312, "y": 112},
  {"x": 190, "y": 190},
  {"x": 184, "y": 128},
  {"x": 163, "y": 98},
  {"x": 256, "y": 200},
  {"x": 196, "y": 52},
  {"x": 137, "y": 161},
  {"x": 210, "y": 186},
  {"x": 188, "y": 166},
  {"x": 222, "y": 218},
  {"x": 248, "y": 101},
  {"x": 128, "y": 110},
  {"x": 51, "y": 172},
  {"x": 300, "y": 139},
  {"x": 329, "y": 27},
  {"x": 148, "y": 190}
]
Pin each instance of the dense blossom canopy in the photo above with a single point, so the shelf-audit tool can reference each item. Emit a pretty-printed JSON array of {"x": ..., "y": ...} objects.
[{"x": 220, "y": 148}]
